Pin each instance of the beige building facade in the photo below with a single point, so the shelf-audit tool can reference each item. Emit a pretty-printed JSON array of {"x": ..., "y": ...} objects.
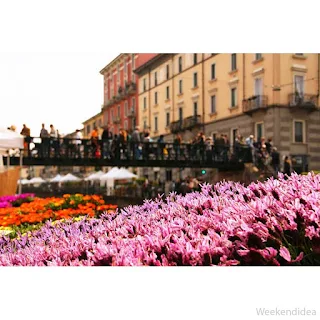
[
  {"x": 89, "y": 124},
  {"x": 269, "y": 95}
]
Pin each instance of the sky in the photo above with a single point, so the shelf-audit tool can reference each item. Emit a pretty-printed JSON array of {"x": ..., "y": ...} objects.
[{"x": 63, "y": 89}]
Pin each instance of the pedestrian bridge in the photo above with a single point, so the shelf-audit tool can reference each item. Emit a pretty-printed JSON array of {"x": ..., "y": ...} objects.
[{"x": 86, "y": 152}]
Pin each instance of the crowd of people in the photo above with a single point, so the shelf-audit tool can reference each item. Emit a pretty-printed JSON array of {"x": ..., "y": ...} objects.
[{"x": 139, "y": 145}]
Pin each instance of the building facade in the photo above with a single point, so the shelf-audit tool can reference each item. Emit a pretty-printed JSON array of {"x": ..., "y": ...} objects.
[
  {"x": 120, "y": 107},
  {"x": 268, "y": 95},
  {"x": 89, "y": 124}
]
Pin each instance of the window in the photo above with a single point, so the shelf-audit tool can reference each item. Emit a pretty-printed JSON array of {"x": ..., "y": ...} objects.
[
  {"x": 259, "y": 130},
  {"x": 88, "y": 129},
  {"x": 132, "y": 67},
  {"x": 155, "y": 79},
  {"x": 145, "y": 103},
  {"x": 299, "y": 85},
  {"x": 298, "y": 131},
  {"x": 167, "y": 119},
  {"x": 195, "y": 58},
  {"x": 144, "y": 124},
  {"x": 144, "y": 85},
  {"x": 213, "y": 104},
  {"x": 156, "y": 123},
  {"x": 125, "y": 69},
  {"x": 233, "y": 97},
  {"x": 258, "y": 87},
  {"x": 233, "y": 61},
  {"x": 125, "y": 124},
  {"x": 180, "y": 64},
  {"x": 119, "y": 111},
  {"x": 195, "y": 109},
  {"x": 156, "y": 98},
  {"x": 167, "y": 72},
  {"x": 195, "y": 80},
  {"x": 167, "y": 93},
  {"x": 258, "y": 91},
  {"x": 180, "y": 114},
  {"x": 258, "y": 56},
  {"x": 213, "y": 71},
  {"x": 126, "y": 108},
  {"x": 180, "y": 87}
]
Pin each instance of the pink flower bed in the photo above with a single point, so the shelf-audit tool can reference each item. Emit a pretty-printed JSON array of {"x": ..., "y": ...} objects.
[
  {"x": 6, "y": 201},
  {"x": 271, "y": 223}
]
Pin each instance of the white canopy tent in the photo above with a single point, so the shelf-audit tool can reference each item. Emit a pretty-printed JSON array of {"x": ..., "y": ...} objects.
[
  {"x": 95, "y": 176},
  {"x": 36, "y": 180},
  {"x": 124, "y": 174},
  {"x": 10, "y": 140},
  {"x": 57, "y": 178},
  {"x": 109, "y": 174},
  {"x": 23, "y": 181},
  {"x": 116, "y": 174},
  {"x": 69, "y": 178}
]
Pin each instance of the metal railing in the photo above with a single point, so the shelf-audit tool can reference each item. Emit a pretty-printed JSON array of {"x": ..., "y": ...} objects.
[
  {"x": 254, "y": 103},
  {"x": 110, "y": 152},
  {"x": 302, "y": 100},
  {"x": 185, "y": 124},
  {"x": 191, "y": 122}
]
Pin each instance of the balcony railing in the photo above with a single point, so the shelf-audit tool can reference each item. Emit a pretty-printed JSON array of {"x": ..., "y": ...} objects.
[
  {"x": 191, "y": 122},
  {"x": 185, "y": 124},
  {"x": 131, "y": 114},
  {"x": 176, "y": 126},
  {"x": 302, "y": 100},
  {"x": 116, "y": 120},
  {"x": 254, "y": 103}
]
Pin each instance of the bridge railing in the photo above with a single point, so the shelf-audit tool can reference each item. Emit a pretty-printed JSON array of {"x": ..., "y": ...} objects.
[{"x": 118, "y": 150}]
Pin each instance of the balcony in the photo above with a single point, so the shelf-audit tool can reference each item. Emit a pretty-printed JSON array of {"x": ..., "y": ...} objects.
[
  {"x": 185, "y": 124},
  {"x": 191, "y": 122},
  {"x": 303, "y": 101},
  {"x": 130, "y": 88},
  {"x": 116, "y": 120},
  {"x": 176, "y": 126},
  {"x": 254, "y": 103},
  {"x": 131, "y": 113}
]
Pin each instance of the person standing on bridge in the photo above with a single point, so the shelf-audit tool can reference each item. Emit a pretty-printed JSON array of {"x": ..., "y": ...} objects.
[
  {"x": 135, "y": 143},
  {"x": 106, "y": 141},
  {"x": 26, "y": 133},
  {"x": 54, "y": 139},
  {"x": 78, "y": 143},
  {"x": 95, "y": 141},
  {"x": 45, "y": 142}
]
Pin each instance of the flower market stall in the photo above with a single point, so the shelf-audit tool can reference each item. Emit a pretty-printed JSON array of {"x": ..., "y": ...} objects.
[{"x": 8, "y": 176}]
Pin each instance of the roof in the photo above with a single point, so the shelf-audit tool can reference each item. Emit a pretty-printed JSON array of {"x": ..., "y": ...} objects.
[
  {"x": 92, "y": 118},
  {"x": 149, "y": 63},
  {"x": 110, "y": 63}
]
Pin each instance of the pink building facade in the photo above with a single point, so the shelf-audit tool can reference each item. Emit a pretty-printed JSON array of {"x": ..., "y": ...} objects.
[{"x": 120, "y": 108}]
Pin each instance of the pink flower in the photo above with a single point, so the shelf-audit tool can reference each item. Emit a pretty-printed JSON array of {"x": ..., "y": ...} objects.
[{"x": 285, "y": 254}]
